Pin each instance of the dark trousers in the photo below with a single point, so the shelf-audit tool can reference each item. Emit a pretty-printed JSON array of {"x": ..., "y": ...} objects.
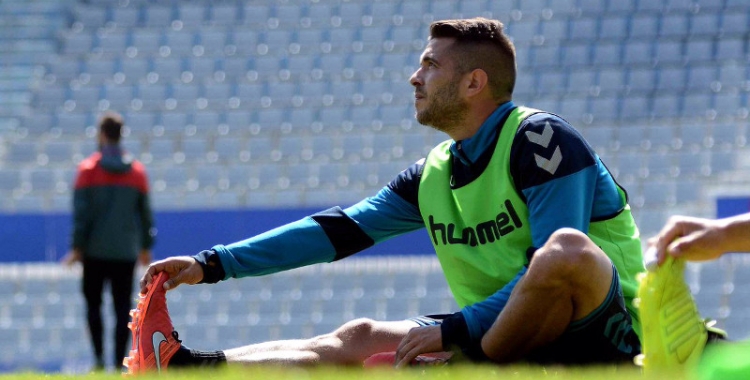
[{"x": 120, "y": 277}]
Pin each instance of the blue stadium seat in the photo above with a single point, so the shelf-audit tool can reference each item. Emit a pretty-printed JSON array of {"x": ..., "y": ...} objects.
[
  {"x": 114, "y": 42},
  {"x": 332, "y": 117},
  {"x": 600, "y": 137},
  {"x": 604, "y": 108},
  {"x": 730, "y": 48},
  {"x": 607, "y": 54},
  {"x": 202, "y": 68},
  {"x": 85, "y": 98},
  {"x": 300, "y": 65},
  {"x": 158, "y": 15},
  {"x": 666, "y": 105},
  {"x": 701, "y": 77},
  {"x": 580, "y": 81},
  {"x": 50, "y": 97},
  {"x": 611, "y": 80},
  {"x": 180, "y": 42},
  {"x": 523, "y": 32},
  {"x": 161, "y": 149},
  {"x": 696, "y": 104},
  {"x": 583, "y": 29},
  {"x": 372, "y": 37},
  {"x": 638, "y": 52},
  {"x": 673, "y": 25},
  {"x": 217, "y": 94},
  {"x": 728, "y": 104},
  {"x": 658, "y": 192},
  {"x": 660, "y": 137},
  {"x": 134, "y": 69},
  {"x": 351, "y": 14},
  {"x": 644, "y": 26},
  {"x": 614, "y": 28},
  {"x": 99, "y": 70},
  {"x": 245, "y": 40},
  {"x": 319, "y": 14},
  {"x": 634, "y": 107},
  {"x": 669, "y": 51},
  {"x": 641, "y": 79},
  {"x": 659, "y": 165},
  {"x": 140, "y": 123},
  {"x": 552, "y": 81},
  {"x": 694, "y": 164},
  {"x": 555, "y": 29},
  {"x": 704, "y": 24},
  {"x": 342, "y": 91},
  {"x": 147, "y": 41},
  {"x": 302, "y": 118},
  {"x": 699, "y": 50},
  {"x": 174, "y": 123},
  {"x": 78, "y": 43},
  {"x": 60, "y": 152},
  {"x": 21, "y": 152},
  {"x": 687, "y": 191},
  {"x": 10, "y": 179},
  {"x": 734, "y": 23},
  {"x": 152, "y": 95},
  {"x": 206, "y": 122},
  {"x": 270, "y": 118},
  {"x": 725, "y": 135},
  {"x": 91, "y": 17},
  {"x": 412, "y": 11},
  {"x": 223, "y": 14},
  {"x": 575, "y": 55},
  {"x": 213, "y": 41},
  {"x": 442, "y": 9},
  {"x": 125, "y": 16},
  {"x": 191, "y": 14},
  {"x": 382, "y": 12}
]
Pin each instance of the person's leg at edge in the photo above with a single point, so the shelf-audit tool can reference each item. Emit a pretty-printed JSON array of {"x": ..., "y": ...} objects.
[
  {"x": 350, "y": 344},
  {"x": 568, "y": 278},
  {"x": 121, "y": 283},
  {"x": 92, "y": 285}
]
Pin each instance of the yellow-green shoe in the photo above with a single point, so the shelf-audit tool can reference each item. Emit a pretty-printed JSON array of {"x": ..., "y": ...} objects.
[{"x": 674, "y": 334}]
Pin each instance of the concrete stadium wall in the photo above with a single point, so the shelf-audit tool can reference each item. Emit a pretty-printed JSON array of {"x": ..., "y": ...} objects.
[{"x": 46, "y": 237}]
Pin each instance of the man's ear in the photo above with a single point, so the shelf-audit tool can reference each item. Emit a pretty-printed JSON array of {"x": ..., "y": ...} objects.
[{"x": 477, "y": 82}]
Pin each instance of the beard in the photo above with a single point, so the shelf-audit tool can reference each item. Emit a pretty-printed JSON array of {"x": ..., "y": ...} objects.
[{"x": 444, "y": 111}]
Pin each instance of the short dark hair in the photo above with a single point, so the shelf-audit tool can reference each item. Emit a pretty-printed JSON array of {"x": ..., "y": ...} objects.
[
  {"x": 110, "y": 125},
  {"x": 482, "y": 45}
]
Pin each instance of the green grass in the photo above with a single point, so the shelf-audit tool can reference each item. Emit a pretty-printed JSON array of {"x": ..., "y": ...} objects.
[{"x": 456, "y": 372}]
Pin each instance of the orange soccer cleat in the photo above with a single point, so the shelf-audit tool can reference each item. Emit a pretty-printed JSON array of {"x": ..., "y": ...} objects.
[{"x": 154, "y": 338}]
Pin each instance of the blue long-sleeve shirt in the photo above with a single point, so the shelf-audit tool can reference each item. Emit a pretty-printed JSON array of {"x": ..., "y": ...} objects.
[{"x": 581, "y": 190}]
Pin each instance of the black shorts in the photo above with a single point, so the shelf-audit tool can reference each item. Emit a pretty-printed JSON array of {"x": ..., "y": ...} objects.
[{"x": 604, "y": 336}]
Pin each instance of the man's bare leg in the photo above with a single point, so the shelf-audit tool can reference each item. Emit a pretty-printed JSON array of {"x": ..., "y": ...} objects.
[
  {"x": 568, "y": 278},
  {"x": 350, "y": 344}
]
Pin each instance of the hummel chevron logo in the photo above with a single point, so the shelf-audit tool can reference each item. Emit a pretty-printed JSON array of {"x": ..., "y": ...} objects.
[
  {"x": 156, "y": 341},
  {"x": 550, "y": 165},
  {"x": 542, "y": 139}
]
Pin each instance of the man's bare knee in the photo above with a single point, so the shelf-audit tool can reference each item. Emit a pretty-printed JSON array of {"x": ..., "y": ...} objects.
[
  {"x": 336, "y": 347},
  {"x": 568, "y": 253}
]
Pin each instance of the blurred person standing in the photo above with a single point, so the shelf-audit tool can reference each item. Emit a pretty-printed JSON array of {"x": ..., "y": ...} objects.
[{"x": 112, "y": 230}]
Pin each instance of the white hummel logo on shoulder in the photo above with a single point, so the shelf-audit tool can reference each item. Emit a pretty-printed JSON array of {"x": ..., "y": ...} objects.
[
  {"x": 156, "y": 341},
  {"x": 550, "y": 165},
  {"x": 543, "y": 140}
]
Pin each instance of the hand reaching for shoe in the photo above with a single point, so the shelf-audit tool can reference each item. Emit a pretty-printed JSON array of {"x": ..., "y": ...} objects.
[{"x": 181, "y": 270}]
